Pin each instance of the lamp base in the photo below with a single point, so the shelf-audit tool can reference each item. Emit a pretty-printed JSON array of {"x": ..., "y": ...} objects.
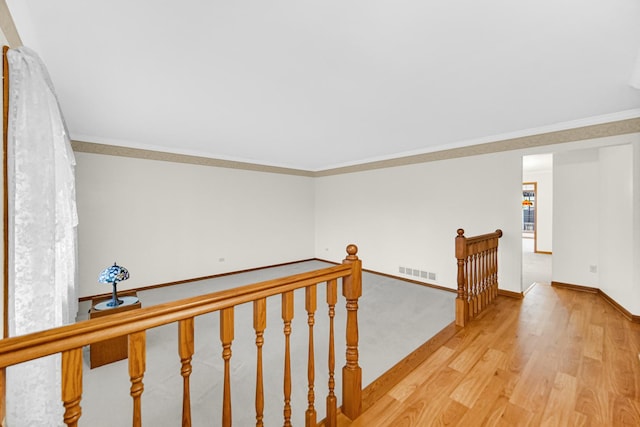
[
  {"x": 104, "y": 305},
  {"x": 114, "y": 303}
]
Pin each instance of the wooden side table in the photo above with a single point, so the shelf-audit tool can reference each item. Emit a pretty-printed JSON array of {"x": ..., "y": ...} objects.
[{"x": 114, "y": 349}]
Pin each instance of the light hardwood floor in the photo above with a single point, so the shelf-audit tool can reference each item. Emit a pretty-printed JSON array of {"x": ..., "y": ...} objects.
[{"x": 559, "y": 358}]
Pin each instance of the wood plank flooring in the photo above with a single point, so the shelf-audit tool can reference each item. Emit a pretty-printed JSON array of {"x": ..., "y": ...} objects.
[{"x": 557, "y": 358}]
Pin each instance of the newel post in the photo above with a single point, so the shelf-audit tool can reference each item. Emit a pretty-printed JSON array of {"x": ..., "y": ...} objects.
[
  {"x": 351, "y": 372},
  {"x": 462, "y": 307}
]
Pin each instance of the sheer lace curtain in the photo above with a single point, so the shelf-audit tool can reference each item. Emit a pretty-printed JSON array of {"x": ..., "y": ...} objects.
[{"x": 42, "y": 235}]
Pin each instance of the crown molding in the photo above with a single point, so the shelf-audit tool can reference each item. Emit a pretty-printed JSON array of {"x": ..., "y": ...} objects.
[
  {"x": 621, "y": 127},
  {"x": 138, "y": 153},
  {"x": 601, "y": 130}
]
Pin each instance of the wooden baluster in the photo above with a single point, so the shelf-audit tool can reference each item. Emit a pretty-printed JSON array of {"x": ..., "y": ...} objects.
[
  {"x": 483, "y": 275},
  {"x": 469, "y": 285},
  {"x": 332, "y": 406},
  {"x": 492, "y": 256},
  {"x": 495, "y": 262},
  {"x": 490, "y": 271},
  {"x": 481, "y": 302},
  {"x": 495, "y": 269},
  {"x": 479, "y": 278},
  {"x": 186, "y": 350},
  {"x": 259, "y": 324},
  {"x": 478, "y": 263},
  {"x": 72, "y": 385},
  {"x": 476, "y": 281},
  {"x": 495, "y": 266},
  {"x": 226, "y": 337},
  {"x": 351, "y": 372},
  {"x": 137, "y": 367},
  {"x": 462, "y": 300},
  {"x": 287, "y": 316},
  {"x": 310, "y": 306},
  {"x": 487, "y": 275},
  {"x": 474, "y": 284}
]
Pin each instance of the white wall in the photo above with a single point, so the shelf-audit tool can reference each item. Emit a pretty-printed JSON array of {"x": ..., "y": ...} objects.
[
  {"x": 616, "y": 224},
  {"x": 575, "y": 217},
  {"x": 168, "y": 221},
  {"x": 596, "y": 224},
  {"x": 544, "y": 207},
  {"x": 408, "y": 215},
  {"x": 174, "y": 221}
]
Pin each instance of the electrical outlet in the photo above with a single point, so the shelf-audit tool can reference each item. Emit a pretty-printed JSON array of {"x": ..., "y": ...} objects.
[
  {"x": 593, "y": 269},
  {"x": 220, "y": 259}
]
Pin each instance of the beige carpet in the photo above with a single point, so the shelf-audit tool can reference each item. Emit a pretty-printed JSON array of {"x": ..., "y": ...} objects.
[
  {"x": 395, "y": 318},
  {"x": 536, "y": 267}
]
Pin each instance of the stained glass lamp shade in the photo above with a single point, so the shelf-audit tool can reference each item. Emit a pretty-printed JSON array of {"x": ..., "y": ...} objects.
[{"x": 113, "y": 275}]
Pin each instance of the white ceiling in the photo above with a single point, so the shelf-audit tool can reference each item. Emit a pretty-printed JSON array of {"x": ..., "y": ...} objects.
[{"x": 320, "y": 84}]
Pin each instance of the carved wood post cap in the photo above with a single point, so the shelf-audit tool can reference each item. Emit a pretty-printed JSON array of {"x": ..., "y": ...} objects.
[
  {"x": 352, "y": 250},
  {"x": 499, "y": 232},
  {"x": 460, "y": 232}
]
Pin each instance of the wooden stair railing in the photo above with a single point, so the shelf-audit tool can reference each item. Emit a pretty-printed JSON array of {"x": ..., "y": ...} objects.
[
  {"x": 477, "y": 274},
  {"x": 69, "y": 340}
]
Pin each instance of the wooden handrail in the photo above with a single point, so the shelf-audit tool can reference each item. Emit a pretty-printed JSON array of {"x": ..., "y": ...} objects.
[
  {"x": 477, "y": 259},
  {"x": 70, "y": 339},
  {"x": 474, "y": 239},
  {"x": 20, "y": 349}
]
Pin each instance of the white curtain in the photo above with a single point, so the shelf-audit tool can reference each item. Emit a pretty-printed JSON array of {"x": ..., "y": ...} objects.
[{"x": 42, "y": 235}]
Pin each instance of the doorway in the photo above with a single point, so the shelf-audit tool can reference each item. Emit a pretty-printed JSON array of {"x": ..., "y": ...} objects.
[{"x": 536, "y": 219}]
